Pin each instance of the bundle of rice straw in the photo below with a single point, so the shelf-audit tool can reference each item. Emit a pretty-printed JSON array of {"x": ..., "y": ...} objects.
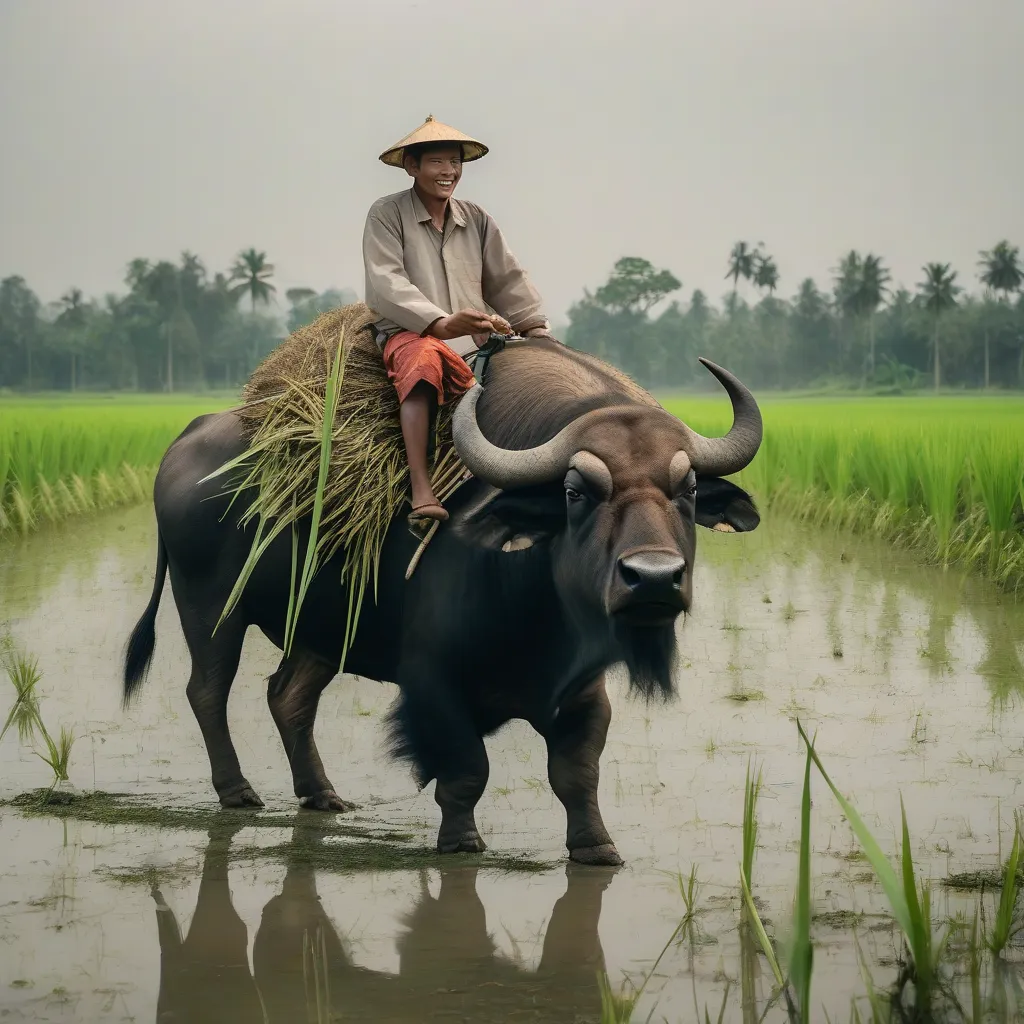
[{"x": 325, "y": 442}]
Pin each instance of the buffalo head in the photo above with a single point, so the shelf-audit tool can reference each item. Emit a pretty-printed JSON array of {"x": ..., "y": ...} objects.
[{"x": 617, "y": 495}]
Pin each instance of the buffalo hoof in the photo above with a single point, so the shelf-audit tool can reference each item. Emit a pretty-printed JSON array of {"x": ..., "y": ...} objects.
[
  {"x": 243, "y": 796},
  {"x": 471, "y": 843},
  {"x": 604, "y": 855},
  {"x": 325, "y": 800}
]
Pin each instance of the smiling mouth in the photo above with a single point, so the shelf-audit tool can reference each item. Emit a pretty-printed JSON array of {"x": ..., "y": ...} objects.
[{"x": 445, "y": 184}]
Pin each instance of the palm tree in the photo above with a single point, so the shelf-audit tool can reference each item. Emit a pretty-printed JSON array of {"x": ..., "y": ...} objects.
[
  {"x": 939, "y": 291},
  {"x": 766, "y": 273},
  {"x": 742, "y": 262},
  {"x": 1001, "y": 273},
  {"x": 846, "y": 290},
  {"x": 870, "y": 293},
  {"x": 252, "y": 273},
  {"x": 72, "y": 319}
]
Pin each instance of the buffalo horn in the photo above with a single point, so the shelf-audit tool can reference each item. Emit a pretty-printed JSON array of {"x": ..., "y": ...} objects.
[
  {"x": 504, "y": 468},
  {"x": 720, "y": 456}
]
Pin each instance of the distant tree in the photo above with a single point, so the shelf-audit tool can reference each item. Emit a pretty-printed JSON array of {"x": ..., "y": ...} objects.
[
  {"x": 742, "y": 262},
  {"x": 870, "y": 294},
  {"x": 252, "y": 274},
  {"x": 766, "y": 273},
  {"x": 635, "y": 286},
  {"x": 1002, "y": 275},
  {"x": 846, "y": 283},
  {"x": 939, "y": 292},
  {"x": 71, "y": 324},
  {"x": 20, "y": 328}
]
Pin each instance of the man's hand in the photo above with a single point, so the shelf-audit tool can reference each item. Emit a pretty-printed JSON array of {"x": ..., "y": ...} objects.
[{"x": 458, "y": 325}]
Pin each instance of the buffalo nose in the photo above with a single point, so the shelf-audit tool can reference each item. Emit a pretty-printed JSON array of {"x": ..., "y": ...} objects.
[{"x": 652, "y": 574}]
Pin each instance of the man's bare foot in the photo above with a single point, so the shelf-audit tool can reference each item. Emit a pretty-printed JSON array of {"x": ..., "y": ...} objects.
[{"x": 429, "y": 510}]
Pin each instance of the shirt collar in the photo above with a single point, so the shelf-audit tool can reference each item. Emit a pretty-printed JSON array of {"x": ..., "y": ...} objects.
[{"x": 458, "y": 217}]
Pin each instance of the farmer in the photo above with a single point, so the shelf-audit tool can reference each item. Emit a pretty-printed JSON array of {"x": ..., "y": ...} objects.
[{"x": 442, "y": 279}]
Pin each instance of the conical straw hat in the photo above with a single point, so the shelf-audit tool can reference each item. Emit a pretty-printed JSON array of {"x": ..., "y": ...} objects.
[{"x": 434, "y": 131}]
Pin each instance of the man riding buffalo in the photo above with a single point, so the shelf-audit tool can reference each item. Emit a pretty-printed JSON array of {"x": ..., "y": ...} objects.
[
  {"x": 570, "y": 550},
  {"x": 442, "y": 278}
]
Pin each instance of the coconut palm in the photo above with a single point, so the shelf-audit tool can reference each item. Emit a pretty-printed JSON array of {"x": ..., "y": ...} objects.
[
  {"x": 252, "y": 274},
  {"x": 1001, "y": 274},
  {"x": 742, "y": 263},
  {"x": 72, "y": 320},
  {"x": 938, "y": 292},
  {"x": 766, "y": 273},
  {"x": 870, "y": 293}
]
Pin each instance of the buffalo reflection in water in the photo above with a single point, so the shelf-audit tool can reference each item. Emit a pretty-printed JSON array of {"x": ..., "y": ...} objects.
[{"x": 449, "y": 967}]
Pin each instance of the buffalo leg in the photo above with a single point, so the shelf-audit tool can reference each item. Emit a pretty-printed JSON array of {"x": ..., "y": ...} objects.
[
  {"x": 293, "y": 694},
  {"x": 575, "y": 742},
  {"x": 431, "y": 729},
  {"x": 215, "y": 658}
]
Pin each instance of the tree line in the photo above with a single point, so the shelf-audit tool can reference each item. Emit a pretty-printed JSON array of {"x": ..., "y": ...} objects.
[
  {"x": 859, "y": 331},
  {"x": 179, "y": 327}
]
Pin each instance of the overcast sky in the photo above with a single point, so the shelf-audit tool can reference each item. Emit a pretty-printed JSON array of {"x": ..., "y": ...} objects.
[{"x": 659, "y": 128}]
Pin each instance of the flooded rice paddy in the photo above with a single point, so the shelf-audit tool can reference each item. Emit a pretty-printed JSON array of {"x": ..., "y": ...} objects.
[{"x": 159, "y": 907}]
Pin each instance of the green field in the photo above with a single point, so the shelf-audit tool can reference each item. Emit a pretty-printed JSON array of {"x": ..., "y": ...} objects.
[
  {"x": 61, "y": 457},
  {"x": 944, "y": 476},
  {"x": 941, "y": 475}
]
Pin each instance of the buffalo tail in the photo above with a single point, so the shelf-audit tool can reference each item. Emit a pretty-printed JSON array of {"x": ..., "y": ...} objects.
[{"x": 139, "y": 649}]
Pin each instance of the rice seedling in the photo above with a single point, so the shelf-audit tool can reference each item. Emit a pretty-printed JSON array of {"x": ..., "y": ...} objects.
[
  {"x": 617, "y": 1005},
  {"x": 57, "y": 753},
  {"x": 1005, "y": 926},
  {"x": 751, "y": 792},
  {"x": 910, "y": 903},
  {"x": 689, "y": 891},
  {"x": 23, "y": 672}
]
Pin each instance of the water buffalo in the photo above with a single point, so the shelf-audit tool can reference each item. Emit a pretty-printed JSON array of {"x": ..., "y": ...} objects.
[{"x": 570, "y": 551}]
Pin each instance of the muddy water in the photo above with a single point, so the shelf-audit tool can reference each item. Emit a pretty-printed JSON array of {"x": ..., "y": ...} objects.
[{"x": 911, "y": 677}]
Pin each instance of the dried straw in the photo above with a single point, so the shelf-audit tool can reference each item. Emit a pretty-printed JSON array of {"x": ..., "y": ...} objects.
[{"x": 325, "y": 443}]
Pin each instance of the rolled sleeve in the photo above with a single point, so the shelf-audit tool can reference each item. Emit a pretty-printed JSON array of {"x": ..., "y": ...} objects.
[
  {"x": 389, "y": 292},
  {"x": 506, "y": 287}
]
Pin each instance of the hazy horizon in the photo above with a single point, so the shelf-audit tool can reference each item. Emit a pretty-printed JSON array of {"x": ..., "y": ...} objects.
[{"x": 660, "y": 129}]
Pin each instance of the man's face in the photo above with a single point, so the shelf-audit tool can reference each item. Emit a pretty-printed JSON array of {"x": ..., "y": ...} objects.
[{"x": 437, "y": 172}]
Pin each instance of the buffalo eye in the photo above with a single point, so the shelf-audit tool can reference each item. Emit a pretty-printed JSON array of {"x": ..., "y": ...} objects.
[
  {"x": 572, "y": 494},
  {"x": 687, "y": 487}
]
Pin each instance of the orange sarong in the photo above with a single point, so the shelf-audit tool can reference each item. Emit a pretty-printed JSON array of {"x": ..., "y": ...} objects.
[{"x": 411, "y": 358}]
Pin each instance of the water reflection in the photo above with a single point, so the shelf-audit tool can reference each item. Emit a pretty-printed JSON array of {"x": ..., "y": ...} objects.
[{"x": 449, "y": 965}]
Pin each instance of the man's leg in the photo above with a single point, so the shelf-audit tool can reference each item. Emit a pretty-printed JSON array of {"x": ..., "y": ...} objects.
[{"x": 415, "y": 413}]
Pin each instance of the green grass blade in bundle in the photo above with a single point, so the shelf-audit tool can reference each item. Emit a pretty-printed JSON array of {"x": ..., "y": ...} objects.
[{"x": 310, "y": 566}]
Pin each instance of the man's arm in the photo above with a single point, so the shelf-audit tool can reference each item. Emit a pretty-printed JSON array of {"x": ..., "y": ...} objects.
[
  {"x": 506, "y": 287},
  {"x": 389, "y": 291}
]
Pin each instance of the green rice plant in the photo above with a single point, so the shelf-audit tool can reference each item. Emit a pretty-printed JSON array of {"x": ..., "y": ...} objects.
[
  {"x": 751, "y": 793},
  {"x": 1005, "y": 927},
  {"x": 57, "y": 753},
  {"x": 801, "y": 951},
  {"x": 73, "y": 457},
  {"x": 996, "y": 474},
  {"x": 617, "y": 1005},
  {"x": 23, "y": 672},
  {"x": 910, "y": 904},
  {"x": 941, "y": 476},
  {"x": 689, "y": 890}
]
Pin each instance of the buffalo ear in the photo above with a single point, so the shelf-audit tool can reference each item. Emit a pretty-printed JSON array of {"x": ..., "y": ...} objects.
[
  {"x": 723, "y": 506},
  {"x": 537, "y": 513}
]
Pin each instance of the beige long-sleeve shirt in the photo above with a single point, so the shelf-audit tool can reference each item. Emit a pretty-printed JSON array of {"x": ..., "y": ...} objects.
[{"x": 415, "y": 276}]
